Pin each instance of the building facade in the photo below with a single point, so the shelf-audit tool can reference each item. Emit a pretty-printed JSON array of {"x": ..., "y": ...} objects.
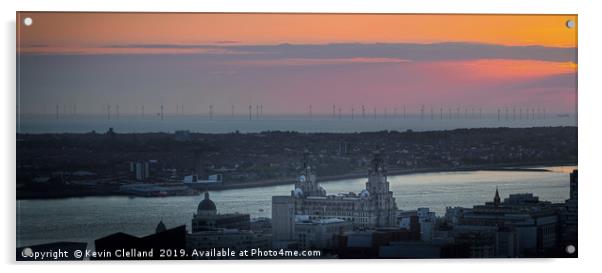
[
  {"x": 521, "y": 225},
  {"x": 374, "y": 207},
  {"x": 211, "y": 230},
  {"x": 232, "y": 239},
  {"x": 319, "y": 234},
  {"x": 207, "y": 218}
]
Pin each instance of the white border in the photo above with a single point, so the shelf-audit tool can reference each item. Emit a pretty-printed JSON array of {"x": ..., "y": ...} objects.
[
  {"x": 589, "y": 131},
  {"x": 358, "y": 6}
]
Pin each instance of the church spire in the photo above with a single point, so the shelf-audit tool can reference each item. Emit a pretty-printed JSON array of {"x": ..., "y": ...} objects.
[
  {"x": 496, "y": 199},
  {"x": 160, "y": 227}
]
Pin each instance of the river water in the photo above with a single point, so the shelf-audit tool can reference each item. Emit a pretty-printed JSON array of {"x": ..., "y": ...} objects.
[{"x": 87, "y": 218}]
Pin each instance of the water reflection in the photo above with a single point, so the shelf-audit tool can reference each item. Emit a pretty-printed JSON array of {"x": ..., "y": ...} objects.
[{"x": 85, "y": 219}]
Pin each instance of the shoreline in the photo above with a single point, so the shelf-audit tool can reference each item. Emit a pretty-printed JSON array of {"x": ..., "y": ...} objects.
[{"x": 522, "y": 167}]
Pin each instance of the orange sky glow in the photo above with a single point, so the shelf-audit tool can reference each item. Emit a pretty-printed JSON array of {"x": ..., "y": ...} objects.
[
  {"x": 284, "y": 61},
  {"x": 95, "y": 29},
  {"x": 494, "y": 69}
]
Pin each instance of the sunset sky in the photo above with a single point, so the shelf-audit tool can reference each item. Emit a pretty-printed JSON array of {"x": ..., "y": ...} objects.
[{"x": 288, "y": 61}]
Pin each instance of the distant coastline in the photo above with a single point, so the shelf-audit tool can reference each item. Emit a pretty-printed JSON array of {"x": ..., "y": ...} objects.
[{"x": 522, "y": 167}]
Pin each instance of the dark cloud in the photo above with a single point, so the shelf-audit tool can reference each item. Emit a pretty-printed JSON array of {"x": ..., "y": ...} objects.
[
  {"x": 228, "y": 42},
  {"x": 165, "y": 46},
  {"x": 416, "y": 52},
  {"x": 406, "y": 51},
  {"x": 93, "y": 80}
]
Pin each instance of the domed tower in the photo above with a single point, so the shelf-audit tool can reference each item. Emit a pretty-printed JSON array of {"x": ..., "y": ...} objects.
[
  {"x": 206, "y": 207},
  {"x": 206, "y": 218},
  {"x": 306, "y": 184},
  {"x": 381, "y": 198},
  {"x": 377, "y": 176}
]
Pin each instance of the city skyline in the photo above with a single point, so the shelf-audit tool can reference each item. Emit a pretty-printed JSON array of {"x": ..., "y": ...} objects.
[{"x": 309, "y": 135}]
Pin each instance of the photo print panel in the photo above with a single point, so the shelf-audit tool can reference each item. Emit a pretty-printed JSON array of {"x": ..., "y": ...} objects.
[{"x": 197, "y": 136}]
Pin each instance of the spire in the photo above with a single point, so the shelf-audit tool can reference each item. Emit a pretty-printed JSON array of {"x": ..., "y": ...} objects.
[
  {"x": 305, "y": 156},
  {"x": 160, "y": 227},
  {"x": 306, "y": 164},
  {"x": 496, "y": 199},
  {"x": 377, "y": 162},
  {"x": 206, "y": 195}
]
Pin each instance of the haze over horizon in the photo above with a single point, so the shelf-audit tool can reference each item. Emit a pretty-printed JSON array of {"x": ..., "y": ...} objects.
[{"x": 286, "y": 62}]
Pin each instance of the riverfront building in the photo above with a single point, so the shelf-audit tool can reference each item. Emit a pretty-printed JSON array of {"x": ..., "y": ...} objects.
[
  {"x": 212, "y": 230},
  {"x": 374, "y": 207},
  {"x": 207, "y": 218},
  {"x": 520, "y": 226}
]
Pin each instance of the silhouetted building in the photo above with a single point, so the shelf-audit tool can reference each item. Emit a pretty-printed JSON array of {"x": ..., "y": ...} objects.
[
  {"x": 368, "y": 244},
  {"x": 422, "y": 220},
  {"x": 283, "y": 221},
  {"x": 211, "y": 230},
  {"x": 207, "y": 218},
  {"x": 522, "y": 225},
  {"x": 569, "y": 228},
  {"x": 221, "y": 238},
  {"x": 571, "y": 203},
  {"x": 496, "y": 198},
  {"x": 123, "y": 246},
  {"x": 409, "y": 250}
]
